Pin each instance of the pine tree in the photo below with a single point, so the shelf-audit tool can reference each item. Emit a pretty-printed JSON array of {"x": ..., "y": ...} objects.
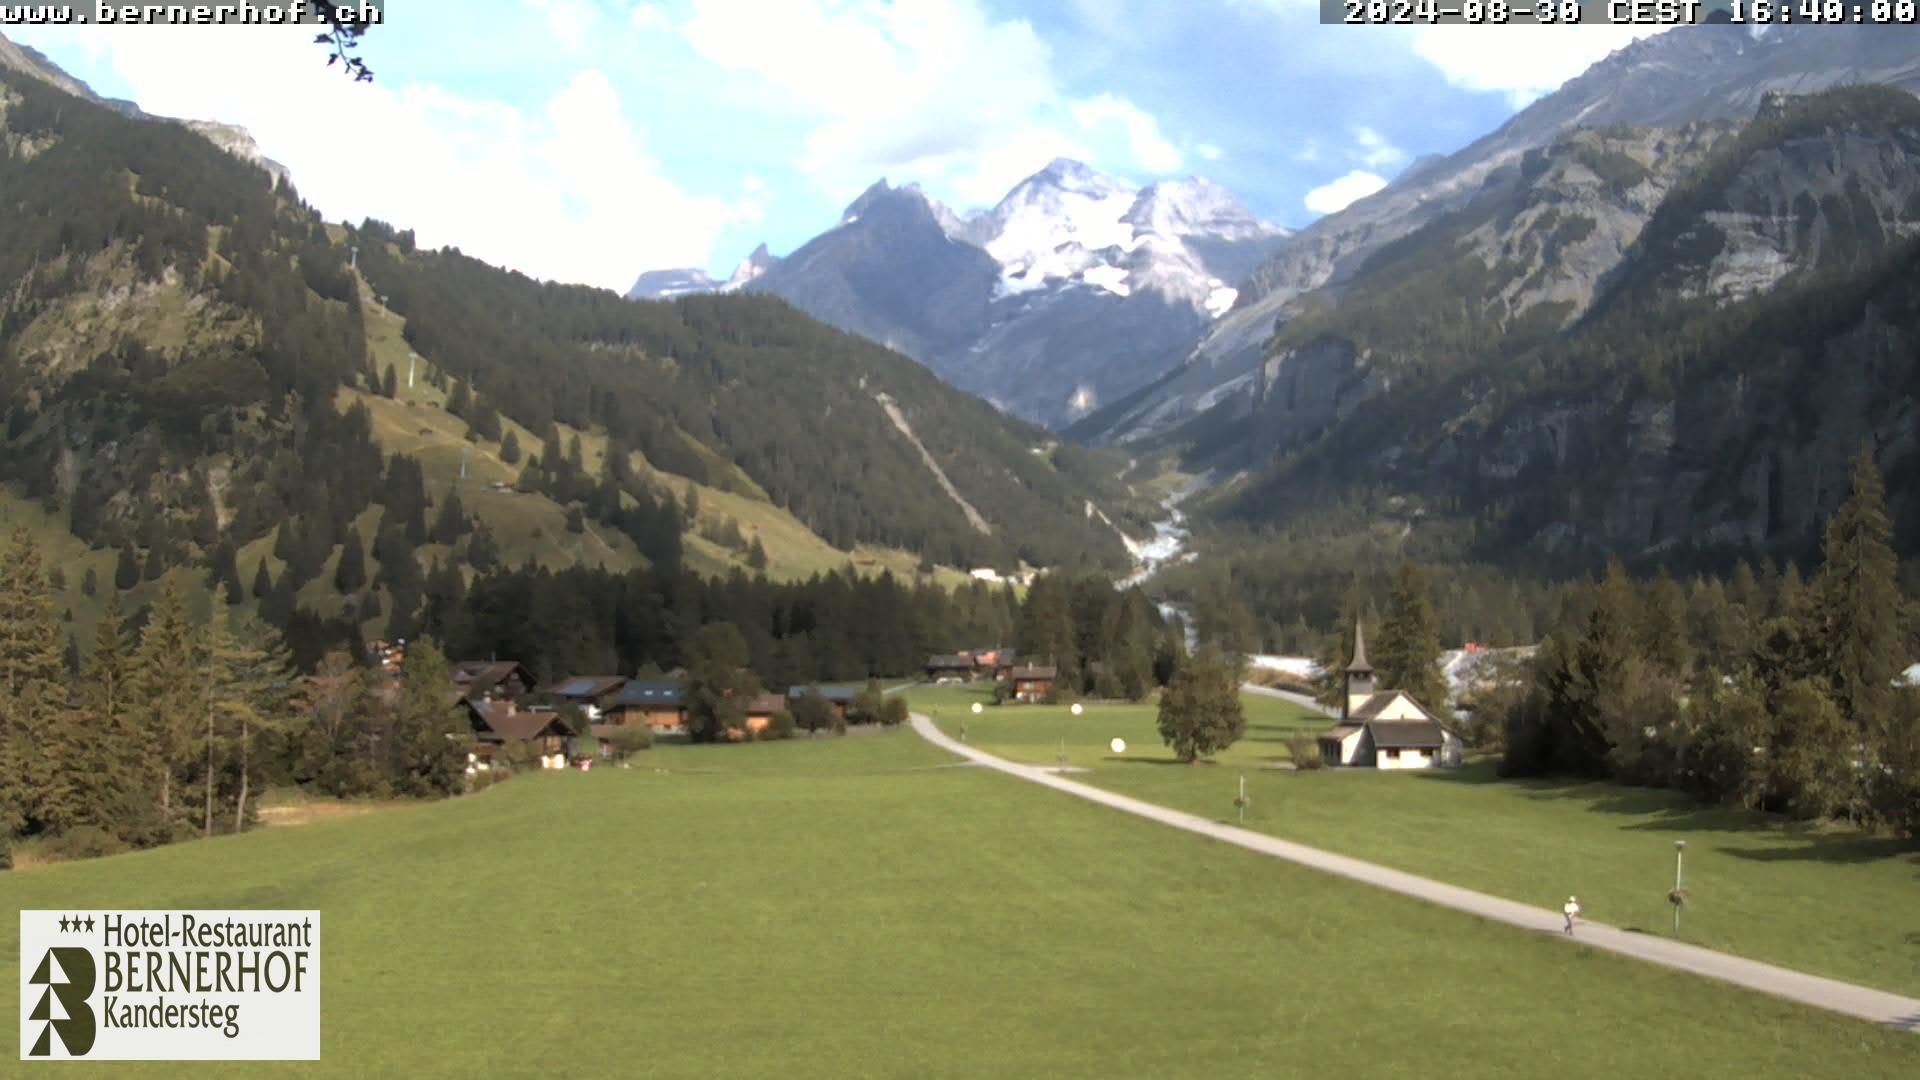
[
  {"x": 1858, "y": 637},
  {"x": 757, "y": 555},
  {"x": 351, "y": 574},
  {"x": 126, "y": 572},
  {"x": 718, "y": 683},
  {"x": 262, "y": 580},
  {"x": 451, "y": 523},
  {"x": 247, "y": 686},
  {"x": 164, "y": 684},
  {"x": 108, "y": 695},
  {"x": 32, "y": 687},
  {"x": 430, "y": 741},
  {"x": 459, "y": 399},
  {"x": 1407, "y": 654},
  {"x": 390, "y": 383},
  {"x": 1664, "y": 637},
  {"x": 510, "y": 448},
  {"x": 89, "y": 583},
  {"x": 156, "y": 563}
]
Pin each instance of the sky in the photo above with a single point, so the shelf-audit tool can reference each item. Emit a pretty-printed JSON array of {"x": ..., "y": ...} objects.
[{"x": 588, "y": 140}]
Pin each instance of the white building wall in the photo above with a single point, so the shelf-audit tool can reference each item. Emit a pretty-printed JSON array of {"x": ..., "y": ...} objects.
[{"x": 1408, "y": 759}]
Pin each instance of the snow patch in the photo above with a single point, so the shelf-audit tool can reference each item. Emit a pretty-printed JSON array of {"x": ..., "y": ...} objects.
[{"x": 1111, "y": 278}]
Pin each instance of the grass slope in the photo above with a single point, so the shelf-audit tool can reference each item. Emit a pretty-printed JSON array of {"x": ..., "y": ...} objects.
[
  {"x": 1833, "y": 903},
  {"x": 852, "y": 907}
]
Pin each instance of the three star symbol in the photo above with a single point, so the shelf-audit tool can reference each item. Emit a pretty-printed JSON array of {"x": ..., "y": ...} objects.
[{"x": 75, "y": 923}]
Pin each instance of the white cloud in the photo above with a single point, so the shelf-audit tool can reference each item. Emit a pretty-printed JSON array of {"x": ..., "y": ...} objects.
[
  {"x": 1337, "y": 195},
  {"x": 569, "y": 21},
  {"x": 1522, "y": 62},
  {"x": 567, "y": 192},
  {"x": 649, "y": 17},
  {"x": 1150, "y": 149},
  {"x": 1209, "y": 152},
  {"x": 1374, "y": 151},
  {"x": 935, "y": 91}
]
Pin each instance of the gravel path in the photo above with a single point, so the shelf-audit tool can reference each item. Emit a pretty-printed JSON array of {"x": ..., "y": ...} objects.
[{"x": 1875, "y": 1005}]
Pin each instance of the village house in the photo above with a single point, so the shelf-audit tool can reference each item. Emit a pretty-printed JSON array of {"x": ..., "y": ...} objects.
[
  {"x": 1003, "y": 664},
  {"x": 1385, "y": 729},
  {"x": 591, "y": 693},
  {"x": 659, "y": 705},
  {"x": 840, "y": 697},
  {"x": 951, "y": 667},
  {"x": 761, "y": 711},
  {"x": 496, "y": 723},
  {"x": 1031, "y": 683},
  {"x": 484, "y": 680}
]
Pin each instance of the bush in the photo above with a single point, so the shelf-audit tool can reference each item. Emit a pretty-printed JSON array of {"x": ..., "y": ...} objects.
[
  {"x": 779, "y": 727},
  {"x": 84, "y": 842},
  {"x": 482, "y": 779},
  {"x": 1305, "y": 751},
  {"x": 630, "y": 740},
  {"x": 895, "y": 712}
]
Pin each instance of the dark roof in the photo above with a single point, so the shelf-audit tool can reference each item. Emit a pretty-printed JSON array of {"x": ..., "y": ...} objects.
[
  {"x": 950, "y": 660},
  {"x": 480, "y": 674},
  {"x": 1339, "y": 732},
  {"x": 636, "y": 695},
  {"x": 1045, "y": 671},
  {"x": 766, "y": 705},
  {"x": 508, "y": 724},
  {"x": 1406, "y": 734},
  {"x": 1359, "y": 665},
  {"x": 587, "y": 687},
  {"x": 831, "y": 693}
]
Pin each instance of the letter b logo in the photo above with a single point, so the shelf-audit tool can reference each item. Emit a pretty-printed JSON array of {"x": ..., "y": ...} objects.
[{"x": 76, "y": 1028}]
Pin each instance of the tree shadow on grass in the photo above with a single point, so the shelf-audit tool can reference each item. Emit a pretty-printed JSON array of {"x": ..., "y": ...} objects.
[{"x": 1837, "y": 849}]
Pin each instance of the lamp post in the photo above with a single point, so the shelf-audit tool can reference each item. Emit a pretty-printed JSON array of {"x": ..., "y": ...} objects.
[{"x": 1679, "y": 894}]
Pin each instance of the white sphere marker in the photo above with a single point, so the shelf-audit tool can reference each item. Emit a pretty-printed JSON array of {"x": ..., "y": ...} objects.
[
  {"x": 1075, "y": 710},
  {"x": 976, "y": 708},
  {"x": 1118, "y": 745}
]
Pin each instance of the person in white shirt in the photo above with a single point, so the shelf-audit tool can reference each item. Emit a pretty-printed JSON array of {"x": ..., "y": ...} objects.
[{"x": 1571, "y": 909}]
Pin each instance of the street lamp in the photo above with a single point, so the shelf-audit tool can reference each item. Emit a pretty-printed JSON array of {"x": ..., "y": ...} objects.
[{"x": 1679, "y": 892}]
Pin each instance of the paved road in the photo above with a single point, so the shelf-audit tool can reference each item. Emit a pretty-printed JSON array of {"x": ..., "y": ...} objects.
[
  {"x": 1301, "y": 700},
  {"x": 1875, "y": 1005}
]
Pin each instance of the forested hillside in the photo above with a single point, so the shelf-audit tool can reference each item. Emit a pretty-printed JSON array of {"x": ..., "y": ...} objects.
[{"x": 199, "y": 385}]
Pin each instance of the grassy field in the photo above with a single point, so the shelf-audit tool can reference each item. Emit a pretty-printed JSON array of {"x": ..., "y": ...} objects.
[
  {"x": 1830, "y": 902},
  {"x": 857, "y": 907}
]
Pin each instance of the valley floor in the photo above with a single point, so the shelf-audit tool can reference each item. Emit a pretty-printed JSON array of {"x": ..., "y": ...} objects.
[
  {"x": 863, "y": 907},
  {"x": 1830, "y": 902}
]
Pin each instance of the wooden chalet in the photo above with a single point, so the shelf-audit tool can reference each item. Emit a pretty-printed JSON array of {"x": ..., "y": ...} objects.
[
  {"x": 762, "y": 709},
  {"x": 840, "y": 697},
  {"x": 496, "y": 723},
  {"x": 950, "y": 667},
  {"x": 661, "y": 706},
  {"x": 592, "y": 693},
  {"x": 505, "y": 680},
  {"x": 1004, "y": 662},
  {"x": 1032, "y": 683},
  {"x": 1385, "y": 729}
]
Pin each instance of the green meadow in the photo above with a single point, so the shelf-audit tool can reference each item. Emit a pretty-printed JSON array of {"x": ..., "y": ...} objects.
[
  {"x": 841, "y": 907},
  {"x": 1832, "y": 902}
]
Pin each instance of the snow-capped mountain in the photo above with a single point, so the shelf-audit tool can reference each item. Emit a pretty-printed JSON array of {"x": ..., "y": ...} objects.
[
  {"x": 1073, "y": 290},
  {"x": 687, "y": 280}
]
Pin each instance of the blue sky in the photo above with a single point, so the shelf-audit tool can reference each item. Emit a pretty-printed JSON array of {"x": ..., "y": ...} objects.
[{"x": 587, "y": 140}]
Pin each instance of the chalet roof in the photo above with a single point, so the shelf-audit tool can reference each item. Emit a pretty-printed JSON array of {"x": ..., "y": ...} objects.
[
  {"x": 1406, "y": 734},
  {"x": 1044, "y": 671},
  {"x": 1376, "y": 703},
  {"x": 766, "y": 705},
  {"x": 1359, "y": 665},
  {"x": 1339, "y": 732},
  {"x": 831, "y": 693},
  {"x": 505, "y": 723},
  {"x": 635, "y": 695},
  {"x": 476, "y": 675},
  {"x": 587, "y": 687},
  {"x": 950, "y": 660}
]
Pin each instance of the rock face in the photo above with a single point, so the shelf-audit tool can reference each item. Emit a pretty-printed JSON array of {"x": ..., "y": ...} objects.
[
  {"x": 1073, "y": 290},
  {"x": 1671, "y": 80},
  {"x": 1635, "y": 340}
]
